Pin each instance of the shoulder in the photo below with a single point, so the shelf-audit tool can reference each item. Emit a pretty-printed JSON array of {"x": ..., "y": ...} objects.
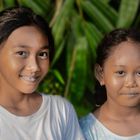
[
  {"x": 57, "y": 103},
  {"x": 60, "y": 108},
  {"x": 56, "y": 99},
  {"x": 86, "y": 121},
  {"x": 88, "y": 126}
]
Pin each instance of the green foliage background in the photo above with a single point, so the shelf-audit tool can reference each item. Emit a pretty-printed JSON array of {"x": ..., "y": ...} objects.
[{"x": 77, "y": 27}]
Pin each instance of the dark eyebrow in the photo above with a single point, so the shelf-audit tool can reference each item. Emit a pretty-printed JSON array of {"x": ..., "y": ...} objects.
[
  {"x": 119, "y": 65},
  {"x": 25, "y": 46},
  {"x": 45, "y": 47}
]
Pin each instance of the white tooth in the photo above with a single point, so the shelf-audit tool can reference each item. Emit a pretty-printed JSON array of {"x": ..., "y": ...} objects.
[{"x": 30, "y": 79}]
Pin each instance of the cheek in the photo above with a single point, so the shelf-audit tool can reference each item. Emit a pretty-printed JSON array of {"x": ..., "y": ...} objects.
[
  {"x": 138, "y": 80},
  {"x": 113, "y": 82},
  {"x": 11, "y": 63},
  {"x": 16, "y": 64},
  {"x": 44, "y": 67}
]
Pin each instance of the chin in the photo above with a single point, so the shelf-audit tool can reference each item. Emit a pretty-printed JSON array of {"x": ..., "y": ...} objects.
[
  {"x": 28, "y": 91},
  {"x": 131, "y": 105}
]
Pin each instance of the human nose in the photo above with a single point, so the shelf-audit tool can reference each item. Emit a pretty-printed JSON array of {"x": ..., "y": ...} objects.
[
  {"x": 130, "y": 81},
  {"x": 32, "y": 65}
]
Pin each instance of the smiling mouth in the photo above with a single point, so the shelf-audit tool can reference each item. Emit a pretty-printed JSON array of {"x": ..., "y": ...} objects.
[
  {"x": 130, "y": 94},
  {"x": 31, "y": 79}
]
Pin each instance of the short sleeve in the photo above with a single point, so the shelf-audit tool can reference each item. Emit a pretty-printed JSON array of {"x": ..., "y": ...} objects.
[
  {"x": 73, "y": 130},
  {"x": 64, "y": 121}
]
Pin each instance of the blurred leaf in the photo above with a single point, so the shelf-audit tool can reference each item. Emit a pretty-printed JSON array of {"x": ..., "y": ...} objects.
[
  {"x": 33, "y": 5},
  {"x": 108, "y": 11},
  {"x": 58, "y": 52},
  {"x": 1, "y": 5},
  {"x": 61, "y": 21},
  {"x": 78, "y": 71},
  {"x": 58, "y": 6},
  {"x": 53, "y": 83},
  {"x": 75, "y": 32},
  {"x": 105, "y": 1},
  {"x": 58, "y": 76},
  {"x": 97, "y": 17},
  {"x": 127, "y": 12},
  {"x": 8, "y": 3},
  {"x": 137, "y": 21},
  {"x": 93, "y": 36}
]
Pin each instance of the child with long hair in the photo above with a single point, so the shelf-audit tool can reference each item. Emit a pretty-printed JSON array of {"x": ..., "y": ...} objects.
[{"x": 26, "y": 51}]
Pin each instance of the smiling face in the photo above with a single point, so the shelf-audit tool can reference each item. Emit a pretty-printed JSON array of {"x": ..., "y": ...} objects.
[
  {"x": 24, "y": 60},
  {"x": 121, "y": 75}
]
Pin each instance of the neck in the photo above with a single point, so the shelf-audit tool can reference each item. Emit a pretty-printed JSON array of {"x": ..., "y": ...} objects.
[
  {"x": 120, "y": 112},
  {"x": 10, "y": 97},
  {"x": 20, "y": 104}
]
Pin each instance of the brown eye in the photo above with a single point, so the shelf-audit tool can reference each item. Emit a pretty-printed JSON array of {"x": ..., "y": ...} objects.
[
  {"x": 120, "y": 73},
  {"x": 44, "y": 55},
  {"x": 22, "y": 54},
  {"x": 138, "y": 73}
]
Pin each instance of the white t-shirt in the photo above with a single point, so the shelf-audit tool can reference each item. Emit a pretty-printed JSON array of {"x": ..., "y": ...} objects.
[
  {"x": 93, "y": 129},
  {"x": 55, "y": 120}
]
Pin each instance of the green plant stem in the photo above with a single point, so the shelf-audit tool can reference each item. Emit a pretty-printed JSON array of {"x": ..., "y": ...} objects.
[
  {"x": 79, "y": 7},
  {"x": 71, "y": 73},
  {"x": 58, "y": 4}
]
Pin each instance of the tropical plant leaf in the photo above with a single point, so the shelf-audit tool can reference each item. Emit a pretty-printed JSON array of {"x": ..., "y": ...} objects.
[
  {"x": 33, "y": 5},
  {"x": 8, "y": 3},
  {"x": 105, "y": 1},
  {"x": 108, "y": 11},
  {"x": 77, "y": 80},
  {"x": 127, "y": 12},
  {"x": 97, "y": 17},
  {"x": 1, "y": 5},
  {"x": 61, "y": 21},
  {"x": 58, "y": 76}
]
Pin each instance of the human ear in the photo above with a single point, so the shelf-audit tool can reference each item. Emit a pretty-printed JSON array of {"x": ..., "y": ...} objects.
[{"x": 99, "y": 74}]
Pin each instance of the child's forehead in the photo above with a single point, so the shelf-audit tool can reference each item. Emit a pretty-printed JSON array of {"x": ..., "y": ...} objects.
[
  {"x": 126, "y": 54},
  {"x": 125, "y": 46}
]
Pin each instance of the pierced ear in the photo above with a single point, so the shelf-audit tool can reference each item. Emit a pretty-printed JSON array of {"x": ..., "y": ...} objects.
[{"x": 99, "y": 74}]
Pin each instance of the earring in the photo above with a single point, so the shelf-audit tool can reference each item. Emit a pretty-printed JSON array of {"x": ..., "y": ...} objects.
[{"x": 101, "y": 83}]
